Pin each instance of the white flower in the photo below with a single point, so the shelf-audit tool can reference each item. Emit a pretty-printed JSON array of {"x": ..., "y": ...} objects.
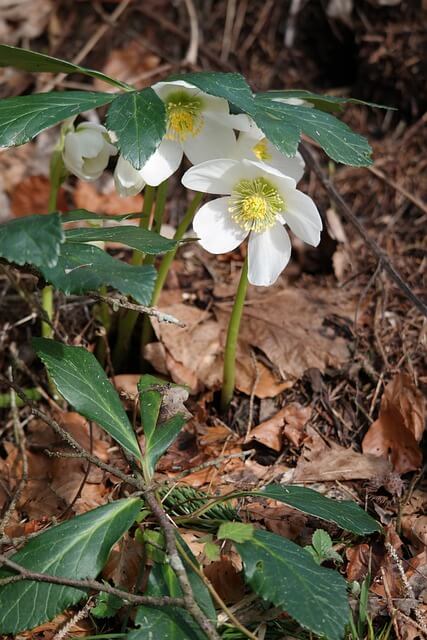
[
  {"x": 253, "y": 145},
  {"x": 87, "y": 150},
  {"x": 258, "y": 201}
]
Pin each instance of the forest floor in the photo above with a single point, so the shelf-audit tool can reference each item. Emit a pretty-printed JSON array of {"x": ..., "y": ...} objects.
[{"x": 331, "y": 362}]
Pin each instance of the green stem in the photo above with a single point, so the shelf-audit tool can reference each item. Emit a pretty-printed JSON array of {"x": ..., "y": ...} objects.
[
  {"x": 56, "y": 176},
  {"x": 229, "y": 375},
  {"x": 166, "y": 262},
  {"x": 128, "y": 320}
]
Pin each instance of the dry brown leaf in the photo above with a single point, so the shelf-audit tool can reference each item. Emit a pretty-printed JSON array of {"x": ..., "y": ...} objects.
[
  {"x": 399, "y": 428},
  {"x": 364, "y": 559},
  {"x": 124, "y": 563},
  {"x": 289, "y": 421},
  {"x": 31, "y": 195},
  {"x": 23, "y": 19},
  {"x": 225, "y": 579},
  {"x": 86, "y": 196},
  {"x": 320, "y": 462},
  {"x": 127, "y": 64},
  {"x": 414, "y": 520}
]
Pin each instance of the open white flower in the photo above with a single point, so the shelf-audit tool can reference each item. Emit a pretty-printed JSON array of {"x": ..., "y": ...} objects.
[
  {"x": 258, "y": 201},
  {"x": 87, "y": 150},
  {"x": 253, "y": 145}
]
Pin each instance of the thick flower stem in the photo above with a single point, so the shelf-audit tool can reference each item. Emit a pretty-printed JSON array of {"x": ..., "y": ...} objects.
[
  {"x": 128, "y": 320},
  {"x": 166, "y": 262},
  {"x": 229, "y": 375},
  {"x": 56, "y": 176}
]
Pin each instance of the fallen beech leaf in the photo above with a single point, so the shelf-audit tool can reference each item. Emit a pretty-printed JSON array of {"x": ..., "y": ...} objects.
[
  {"x": 124, "y": 563},
  {"x": 225, "y": 579},
  {"x": 32, "y": 196},
  {"x": 86, "y": 196},
  {"x": 364, "y": 559},
  {"x": 289, "y": 421},
  {"x": 320, "y": 462},
  {"x": 414, "y": 520},
  {"x": 399, "y": 428},
  {"x": 296, "y": 417}
]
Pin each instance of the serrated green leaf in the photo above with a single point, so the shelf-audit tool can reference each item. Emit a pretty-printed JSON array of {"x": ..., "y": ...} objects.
[
  {"x": 322, "y": 102},
  {"x": 81, "y": 380},
  {"x": 107, "y": 605},
  {"x": 32, "y": 240},
  {"x": 28, "y": 60},
  {"x": 77, "y": 548},
  {"x": 235, "y": 531},
  {"x": 346, "y": 514},
  {"x": 231, "y": 86},
  {"x": 321, "y": 541},
  {"x": 82, "y": 214},
  {"x": 138, "y": 120},
  {"x": 83, "y": 267},
  {"x": 286, "y": 575},
  {"x": 22, "y": 118},
  {"x": 143, "y": 240},
  {"x": 283, "y": 124},
  {"x": 158, "y": 435}
]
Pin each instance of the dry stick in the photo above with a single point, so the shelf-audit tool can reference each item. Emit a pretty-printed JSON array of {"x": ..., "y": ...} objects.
[
  {"x": 178, "y": 567},
  {"x": 193, "y": 47},
  {"x": 25, "y": 574},
  {"x": 404, "y": 192},
  {"x": 69, "y": 438},
  {"x": 339, "y": 201},
  {"x": 20, "y": 440},
  {"x": 122, "y": 301}
]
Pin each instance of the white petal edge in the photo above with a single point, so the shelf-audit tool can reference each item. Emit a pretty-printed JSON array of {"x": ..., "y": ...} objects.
[
  {"x": 302, "y": 216},
  {"x": 217, "y": 232},
  {"x": 128, "y": 180},
  {"x": 268, "y": 255},
  {"x": 213, "y": 141},
  {"x": 214, "y": 176},
  {"x": 163, "y": 163}
]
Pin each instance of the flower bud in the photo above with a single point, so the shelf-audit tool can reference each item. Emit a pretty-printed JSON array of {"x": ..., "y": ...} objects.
[{"x": 87, "y": 151}]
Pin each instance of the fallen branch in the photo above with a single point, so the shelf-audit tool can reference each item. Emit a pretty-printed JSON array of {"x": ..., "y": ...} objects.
[
  {"x": 339, "y": 201},
  {"x": 121, "y": 301}
]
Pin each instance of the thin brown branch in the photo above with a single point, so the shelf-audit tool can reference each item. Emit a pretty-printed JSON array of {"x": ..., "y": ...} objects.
[
  {"x": 178, "y": 567},
  {"x": 88, "y": 585},
  {"x": 121, "y": 301},
  {"x": 345, "y": 210}
]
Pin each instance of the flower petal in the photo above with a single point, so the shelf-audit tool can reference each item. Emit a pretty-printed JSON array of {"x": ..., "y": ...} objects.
[
  {"x": 268, "y": 255},
  {"x": 163, "y": 163},
  {"x": 214, "y": 176},
  {"x": 215, "y": 228},
  {"x": 292, "y": 167},
  {"x": 213, "y": 141},
  {"x": 127, "y": 179},
  {"x": 302, "y": 216}
]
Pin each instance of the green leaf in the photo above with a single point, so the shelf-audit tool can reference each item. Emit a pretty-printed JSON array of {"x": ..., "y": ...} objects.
[
  {"x": 32, "y": 240},
  {"x": 83, "y": 267},
  {"x": 32, "y": 61},
  {"x": 284, "y": 123},
  {"x": 143, "y": 240},
  {"x": 346, "y": 514},
  {"x": 80, "y": 378},
  {"x": 322, "y": 102},
  {"x": 282, "y": 573},
  {"x": 77, "y": 548},
  {"x": 107, "y": 605},
  {"x": 158, "y": 435},
  {"x": 82, "y": 214},
  {"x": 22, "y": 118},
  {"x": 201, "y": 593},
  {"x": 235, "y": 531},
  {"x": 321, "y": 548},
  {"x": 138, "y": 119},
  {"x": 231, "y": 86}
]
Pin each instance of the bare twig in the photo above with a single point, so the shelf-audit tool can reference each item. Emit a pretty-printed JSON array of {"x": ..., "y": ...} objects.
[
  {"x": 228, "y": 30},
  {"x": 93, "y": 585},
  {"x": 404, "y": 192},
  {"x": 193, "y": 47},
  {"x": 135, "y": 482},
  {"x": 178, "y": 567},
  {"x": 343, "y": 207},
  {"x": 121, "y": 301},
  {"x": 212, "y": 463}
]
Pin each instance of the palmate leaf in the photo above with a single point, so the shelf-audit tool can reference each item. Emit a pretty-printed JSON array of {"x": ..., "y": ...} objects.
[
  {"x": 138, "y": 119},
  {"x": 22, "y": 118},
  {"x": 283, "y": 124},
  {"x": 158, "y": 436},
  {"x": 346, "y": 514},
  {"x": 143, "y": 240},
  {"x": 33, "y": 61},
  {"x": 286, "y": 575},
  {"x": 77, "y": 548},
  {"x": 32, "y": 240},
  {"x": 82, "y": 381},
  {"x": 83, "y": 267}
]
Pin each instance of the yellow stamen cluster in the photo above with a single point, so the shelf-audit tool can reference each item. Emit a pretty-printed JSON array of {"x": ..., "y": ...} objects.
[
  {"x": 254, "y": 204},
  {"x": 184, "y": 115},
  {"x": 260, "y": 150}
]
